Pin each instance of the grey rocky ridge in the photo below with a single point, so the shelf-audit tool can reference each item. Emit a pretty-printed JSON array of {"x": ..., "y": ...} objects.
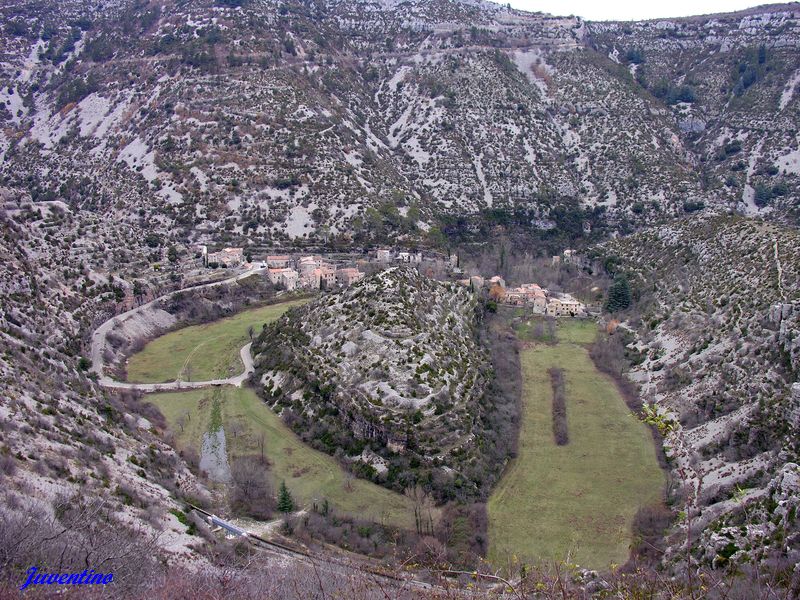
[
  {"x": 394, "y": 362},
  {"x": 132, "y": 131}
]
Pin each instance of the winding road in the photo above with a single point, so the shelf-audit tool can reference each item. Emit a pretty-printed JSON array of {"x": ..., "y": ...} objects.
[{"x": 99, "y": 345}]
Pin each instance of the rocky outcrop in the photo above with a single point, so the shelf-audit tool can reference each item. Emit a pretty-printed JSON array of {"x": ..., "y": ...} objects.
[
  {"x": 754, "y": 531},
  {"x": 793, "y": 408},
  {"x": 392, "y": 362},
  {"x": 786, "y": 317}
]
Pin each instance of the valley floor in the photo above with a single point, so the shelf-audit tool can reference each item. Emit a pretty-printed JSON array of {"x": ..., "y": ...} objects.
[
  {"x": 309, "y": 474},
  {"x": 574, "y": 502}
]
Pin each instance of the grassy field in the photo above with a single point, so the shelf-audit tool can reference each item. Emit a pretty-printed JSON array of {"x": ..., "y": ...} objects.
[
  {"x": 574, "y": 331},
  {"x": 308, "y": 474},
  {"x": 201, "y": 352},
  {"x": 575, "y": 501}
]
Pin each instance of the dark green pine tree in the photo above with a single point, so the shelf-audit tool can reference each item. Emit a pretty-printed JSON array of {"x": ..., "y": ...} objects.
[
  {"x": 619, "y": 295},
  {"x": 285, "y": 500}
]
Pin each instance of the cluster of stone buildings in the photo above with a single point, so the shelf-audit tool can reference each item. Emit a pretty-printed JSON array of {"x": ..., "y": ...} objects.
[
  {"x": 531, "y": 295},
  {"x": 309, "y": 272},
  {"x": 227, "y": 257},
  {"x": 314, "y": 273},
  {"x": 564, "y": 305}
]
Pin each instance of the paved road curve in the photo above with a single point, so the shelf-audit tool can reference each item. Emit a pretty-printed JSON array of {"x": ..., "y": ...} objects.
[{"x": 99, "y": 345}]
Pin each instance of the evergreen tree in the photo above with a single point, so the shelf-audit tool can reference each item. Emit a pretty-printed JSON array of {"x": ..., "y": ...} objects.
[
  {"x": 619, "y": 295},
  {"x": 285, "y": 500}
]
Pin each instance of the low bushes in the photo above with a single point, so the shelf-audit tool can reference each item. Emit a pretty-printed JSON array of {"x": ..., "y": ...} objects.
[{"x": 560, "y": 432}]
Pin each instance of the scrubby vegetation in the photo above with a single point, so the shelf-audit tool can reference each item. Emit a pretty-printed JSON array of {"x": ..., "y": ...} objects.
[
  {"x": 131, "y": 132},
  {"x": 251, "y": 492},
  {"x": 712, "y": 340},
  {"x": 560, "y": 428}
]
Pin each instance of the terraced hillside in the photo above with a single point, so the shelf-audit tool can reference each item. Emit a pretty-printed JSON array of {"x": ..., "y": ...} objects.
[{"x": 719, "y": 353}]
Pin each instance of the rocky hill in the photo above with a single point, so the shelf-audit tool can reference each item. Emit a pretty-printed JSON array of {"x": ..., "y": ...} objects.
[
  {"x": 390, "y": 372},
  {"x": 719, "y": 353},
  {"x": 266, "y": 120}
]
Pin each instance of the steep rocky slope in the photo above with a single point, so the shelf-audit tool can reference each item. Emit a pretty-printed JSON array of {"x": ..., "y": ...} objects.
[
  {"x": 84, "y": 475},
  {"x": 719, "y": 354},
  {"x": 730, "y": 83},
  {"x": 268, "y": 120},
  {"x": 129, "y": 126},
  {"x": 390, "y": 366}
]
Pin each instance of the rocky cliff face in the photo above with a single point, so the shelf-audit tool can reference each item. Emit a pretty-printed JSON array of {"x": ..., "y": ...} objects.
[
  {"x": 717, "y": 336},
  {"x": 786, "y": 317}
]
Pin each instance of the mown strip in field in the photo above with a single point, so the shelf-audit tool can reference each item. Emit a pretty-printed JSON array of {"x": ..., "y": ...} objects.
[{"x": 575, "y": 501}]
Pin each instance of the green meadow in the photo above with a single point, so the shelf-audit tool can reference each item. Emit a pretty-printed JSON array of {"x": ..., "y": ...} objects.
[
  {"x": 310, "y": 475},
  {"x": 202, "y": 352},
  {"x": 574, "y": 502}
]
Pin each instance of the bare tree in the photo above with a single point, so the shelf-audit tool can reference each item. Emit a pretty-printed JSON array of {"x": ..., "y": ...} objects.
[
  {"x": 79, "y": 532},
  {"x": 261, "y": 442},
  {"x": 551, "y": 327},
  {"x": 251, "y": 493},
  {"x": 423, "y": 509}
]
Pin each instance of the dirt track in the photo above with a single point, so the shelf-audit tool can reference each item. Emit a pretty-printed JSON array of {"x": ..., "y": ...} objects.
[{"x": 99, "y": 346}]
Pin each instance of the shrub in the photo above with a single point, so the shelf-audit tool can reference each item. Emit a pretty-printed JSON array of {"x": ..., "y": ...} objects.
[
  {"x": 691, "y": 206},
  {"x": 649, "y": 526},
  {"x": 76, "y": 90},
  {"x": 635, "y": 56},
  {"x": 8, "y": 465},
  {"x": 672, "y": 94}
]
